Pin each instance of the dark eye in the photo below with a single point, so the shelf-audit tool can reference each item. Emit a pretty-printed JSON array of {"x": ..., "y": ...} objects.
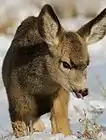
[{"x": 66, "y": 65}]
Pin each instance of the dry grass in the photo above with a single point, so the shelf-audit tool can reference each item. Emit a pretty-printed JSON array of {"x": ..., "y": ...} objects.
[{"x": 90, "y": 129}]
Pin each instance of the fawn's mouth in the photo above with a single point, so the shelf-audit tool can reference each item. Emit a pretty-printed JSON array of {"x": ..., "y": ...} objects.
[{"x": 81, "y": 93}]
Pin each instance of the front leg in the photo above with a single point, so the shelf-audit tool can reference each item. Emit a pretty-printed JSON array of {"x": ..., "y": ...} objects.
[{"x": 59, "y": 113}]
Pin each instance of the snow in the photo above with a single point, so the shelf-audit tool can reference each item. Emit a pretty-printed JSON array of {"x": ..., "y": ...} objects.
[{"x": 94, "y": 105}]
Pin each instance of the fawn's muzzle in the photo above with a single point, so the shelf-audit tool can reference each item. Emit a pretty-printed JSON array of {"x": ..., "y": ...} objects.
[{"x": 81, "y": 93}]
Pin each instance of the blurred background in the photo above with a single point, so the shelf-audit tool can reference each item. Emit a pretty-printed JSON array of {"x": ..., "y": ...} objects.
[
  {"x": 72, "y": 14},
  {"x": 12, "y": 12}
]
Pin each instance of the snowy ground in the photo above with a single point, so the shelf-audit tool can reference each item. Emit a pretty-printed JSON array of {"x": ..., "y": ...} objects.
[{"x": 94, "y": 105}]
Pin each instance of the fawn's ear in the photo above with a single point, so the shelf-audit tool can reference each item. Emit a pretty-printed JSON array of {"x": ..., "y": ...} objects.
[
  {"x": 95, "y": 29},
  {"x": 48, "y": 25}
]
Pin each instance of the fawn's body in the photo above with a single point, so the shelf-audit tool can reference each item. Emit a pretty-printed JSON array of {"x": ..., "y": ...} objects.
[{"x": 43, "y": 64}]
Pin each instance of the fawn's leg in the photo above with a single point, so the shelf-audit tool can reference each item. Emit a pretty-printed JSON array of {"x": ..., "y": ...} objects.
[
  {"x": 21, "y": 128},
  {"x": 59, "y": 113},
  {"x": 23, "y": 114}
]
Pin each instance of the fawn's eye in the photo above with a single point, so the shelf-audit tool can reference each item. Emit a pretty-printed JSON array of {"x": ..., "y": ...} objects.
[{"x": 66, "y": 65}]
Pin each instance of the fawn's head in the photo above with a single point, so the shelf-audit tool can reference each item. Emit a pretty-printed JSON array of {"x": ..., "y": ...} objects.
[{"x": 70, "y": 58}]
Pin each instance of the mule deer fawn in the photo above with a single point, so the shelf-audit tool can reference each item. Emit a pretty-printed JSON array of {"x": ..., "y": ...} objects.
[{"x": 43, "y": 64}]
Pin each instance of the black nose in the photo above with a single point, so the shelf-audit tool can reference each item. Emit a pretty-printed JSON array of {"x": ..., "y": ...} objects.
[{"x": 84, "y": 92}]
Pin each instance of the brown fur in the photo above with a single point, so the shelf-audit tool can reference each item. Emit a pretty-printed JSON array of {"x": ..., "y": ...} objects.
[
  {"x": 59, "y": 113},
  {"x": 43, "y": 64}
]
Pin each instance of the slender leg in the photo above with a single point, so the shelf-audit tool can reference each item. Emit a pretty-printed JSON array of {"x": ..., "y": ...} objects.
[
  {"x": 59, "y": 113},
  {"x": 24, "y": 116},
  {"x": 21, "y": 108}
]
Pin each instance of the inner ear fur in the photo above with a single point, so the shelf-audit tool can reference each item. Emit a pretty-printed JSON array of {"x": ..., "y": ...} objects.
[
  {"x": 95, "y": 29},
  {"x": 48, "y": 24}
]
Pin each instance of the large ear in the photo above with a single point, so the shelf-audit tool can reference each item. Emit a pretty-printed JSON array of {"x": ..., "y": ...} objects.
[
  {"x": 94, "y": 30},
  {"x": 48, "y": 25}
]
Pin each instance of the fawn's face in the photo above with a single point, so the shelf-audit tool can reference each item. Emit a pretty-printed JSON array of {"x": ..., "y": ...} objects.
[
  {"x": 69, "y": 60},
  {"x": 71, "y": 72}
]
